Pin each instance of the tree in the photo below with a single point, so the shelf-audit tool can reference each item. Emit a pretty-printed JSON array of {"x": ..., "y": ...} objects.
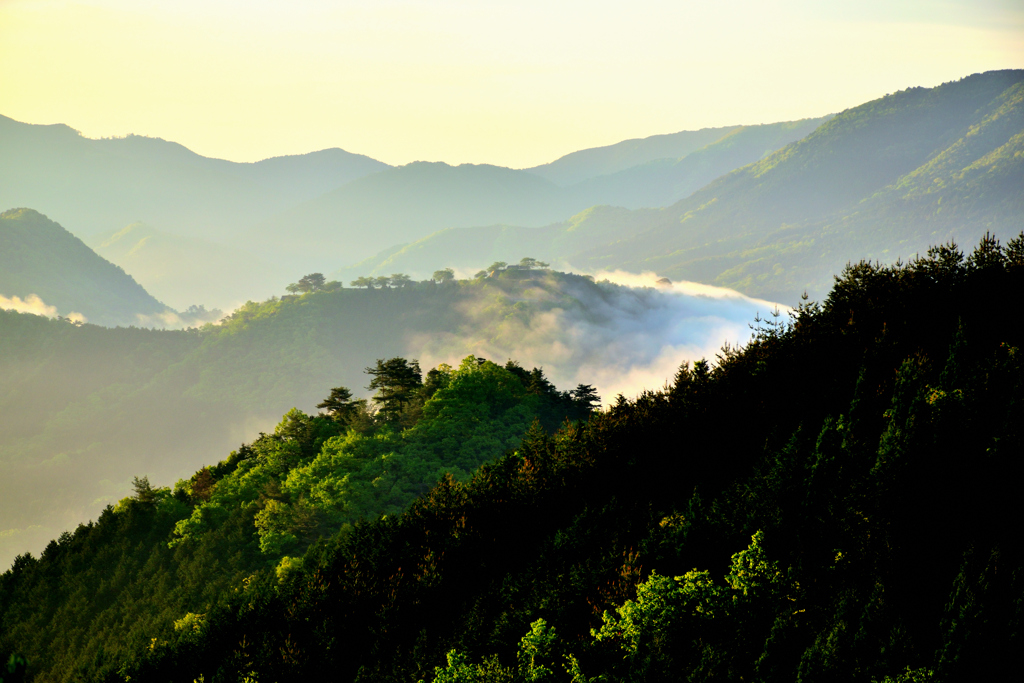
[
  {"x": 314, "y": 282},
  {"x": 480, "y": 274},
  {"x": 443, "y": 275},
  {"x": 362, "y": 281},
  {"x": 340, "y": 406},
  {"x": 528, "y": 263},
  {"x": 395, "y": 381},
  {"x": 400, "y": 280},
  {"x": 497, "y": 266},
  {"x": 585, "y": 396},
  {"x": 438, "y": 378},
  {"x": 382, "y": 281},
  {"x": 144, "y": 491},
  {"x": 202, "y": 484}
]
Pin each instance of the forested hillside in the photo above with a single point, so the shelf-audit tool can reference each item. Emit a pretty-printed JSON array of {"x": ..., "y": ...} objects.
[
  {"x": 882, "y": 180},
  {"x": 83, "y": 409},
  {"x": 39, "y": 257},
  {"x": 835, "y": 501},
  {"x": 171, "y": 551}
]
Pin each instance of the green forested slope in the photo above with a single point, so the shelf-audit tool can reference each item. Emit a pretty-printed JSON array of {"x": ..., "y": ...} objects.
[
  {"x": 38, "y": 256},
  {"x": 834, "y": 502},
  {"x": 84, "y": 409},
  {"x": 166, "y": 555},
  {"x": 862, "y": 503}
]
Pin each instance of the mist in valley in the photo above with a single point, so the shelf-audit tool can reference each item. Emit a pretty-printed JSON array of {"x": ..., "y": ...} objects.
[{"x": 625, "y": 335}]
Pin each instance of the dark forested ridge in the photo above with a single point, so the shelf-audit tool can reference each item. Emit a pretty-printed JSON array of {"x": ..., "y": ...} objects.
[
  {"x": 836, "y": 501},
  {"x": 160, "y": 560}
]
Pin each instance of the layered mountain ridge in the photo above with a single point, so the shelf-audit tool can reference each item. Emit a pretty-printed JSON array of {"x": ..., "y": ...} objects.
[
  {"x": 884, "y": 179},
  {"x": 327, "y": 209}
]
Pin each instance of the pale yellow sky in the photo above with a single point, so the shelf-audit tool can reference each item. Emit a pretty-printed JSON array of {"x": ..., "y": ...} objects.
[{"x": 483, "y": 81}]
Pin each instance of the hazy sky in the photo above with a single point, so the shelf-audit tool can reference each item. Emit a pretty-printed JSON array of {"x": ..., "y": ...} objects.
[{"x": 511, "y": 83}]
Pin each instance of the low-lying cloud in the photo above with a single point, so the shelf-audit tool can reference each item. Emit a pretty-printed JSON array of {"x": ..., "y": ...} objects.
[
  {"x": 168, "y": 319},
  {"x": 624, "y": 336},
  {"x": 36, "y": 306}
]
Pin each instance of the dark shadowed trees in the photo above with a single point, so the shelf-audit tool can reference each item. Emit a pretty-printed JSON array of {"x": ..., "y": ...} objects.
[
  {"x": 395, "y": 381},
  {"x": 340, "y": 406}
]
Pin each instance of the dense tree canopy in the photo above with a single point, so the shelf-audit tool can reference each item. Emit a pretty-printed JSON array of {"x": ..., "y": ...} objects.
[{"x": 173, "y": 554}]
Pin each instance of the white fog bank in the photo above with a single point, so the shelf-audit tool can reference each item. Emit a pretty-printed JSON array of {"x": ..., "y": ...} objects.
[{"x": 621, "y": 339}]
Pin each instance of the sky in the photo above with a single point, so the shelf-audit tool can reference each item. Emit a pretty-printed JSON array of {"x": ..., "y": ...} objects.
[{"x": 473, "y": 81}]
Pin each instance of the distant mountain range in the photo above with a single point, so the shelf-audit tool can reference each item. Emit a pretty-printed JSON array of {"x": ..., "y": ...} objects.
[
  {"x": 405, "y": 204},
  {"x": 769, "y": 210},
  {"x": 218, "y": 232},
  {"x": 880, "y": 181},
  {"x": 100, "y": 185},
  {"x": 587, "y": 164}
]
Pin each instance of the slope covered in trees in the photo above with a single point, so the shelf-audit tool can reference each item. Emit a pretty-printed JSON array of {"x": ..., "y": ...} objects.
[
  {"x": 169, "y": 552},
  {"x": 83, "y": 409},
  {"x": 833, "y": 502},
  {"x": 39, "y": 257}
]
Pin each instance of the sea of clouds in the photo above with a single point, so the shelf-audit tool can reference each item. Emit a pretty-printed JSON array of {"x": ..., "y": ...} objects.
[{"x": 628, "y": 335}]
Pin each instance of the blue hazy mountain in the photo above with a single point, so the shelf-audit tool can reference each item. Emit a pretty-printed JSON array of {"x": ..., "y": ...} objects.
[
  {"x": 101, "y": 185},
  {"x": 884, "y": 180}
]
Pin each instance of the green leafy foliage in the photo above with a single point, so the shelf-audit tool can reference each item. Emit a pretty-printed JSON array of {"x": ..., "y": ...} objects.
[{"x": 164, "y": 561}]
